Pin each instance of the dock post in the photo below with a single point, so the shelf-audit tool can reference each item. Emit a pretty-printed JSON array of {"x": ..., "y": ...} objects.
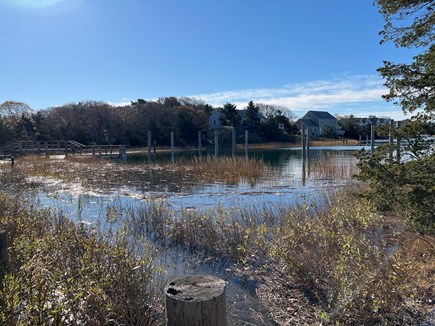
[
  {"x": 149, "y": 146},
  {"x": 390, "y": 140},
  {"x": 246, "y": 143},
  {"x": 398, "y": 153},
  {"x": 216, "y": 144},
  {"x": 233, "y": 143},
  {"x": 304, "y": 139},
  {"x": 308, "y": 139},
  {"x": 196, "y": 300},
  {"x": 372, "y": 137},
  {"x": 66, "y": 149},
  {"x": 123, "y": 153},
  {"x": 172, "y": 148},
  {"x": 199, "y": 143}
]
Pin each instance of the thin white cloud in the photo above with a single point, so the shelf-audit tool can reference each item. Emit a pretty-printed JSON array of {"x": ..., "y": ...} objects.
[
  {"x": 360, "y": 95},
  {"x": 335, "y": 95}
]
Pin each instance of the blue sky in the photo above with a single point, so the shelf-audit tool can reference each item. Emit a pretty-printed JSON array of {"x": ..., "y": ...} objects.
[{"x": 304, "y": 55}]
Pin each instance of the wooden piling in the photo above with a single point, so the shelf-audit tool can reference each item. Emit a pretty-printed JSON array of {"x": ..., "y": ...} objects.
[
  {"x": 197, "y": 300},
  {"x": 390, "y": 140},
  {"x": 216, "y": 144},
  {"x": 123, "y": 153},
  {"x": 372, "y": 137},
  {"x": 233, "y": 143},
  {"x": 199, "y": 143},
  {"x": 308, "y": 139},
  {"x": 149, "y": 146},
  {"x": 398, "y": 152},
  {"x": 246, "y": 143},
  {"x": 172, "y": 148},
  {"x": 304, "y": 139}
]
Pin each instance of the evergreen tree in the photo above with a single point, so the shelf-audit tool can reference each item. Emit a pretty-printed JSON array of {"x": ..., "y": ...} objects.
[
  {"x": 252, "y": 120},
  {"x": 406, "y": 183},
  {"x": 230, "y": 116}
]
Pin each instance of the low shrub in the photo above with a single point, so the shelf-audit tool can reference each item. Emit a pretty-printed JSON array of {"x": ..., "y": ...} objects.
[{"x": 61, "y": 273}]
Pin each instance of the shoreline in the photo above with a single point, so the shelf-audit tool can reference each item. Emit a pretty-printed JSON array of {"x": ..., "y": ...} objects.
[{"x": 313, "y": 143}]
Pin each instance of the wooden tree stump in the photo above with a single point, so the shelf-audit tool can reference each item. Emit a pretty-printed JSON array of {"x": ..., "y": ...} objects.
[{"x": 196, "y": 301}]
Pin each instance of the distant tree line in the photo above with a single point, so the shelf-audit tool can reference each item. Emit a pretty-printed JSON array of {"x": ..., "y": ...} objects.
[{"x": 93, "y": 122}]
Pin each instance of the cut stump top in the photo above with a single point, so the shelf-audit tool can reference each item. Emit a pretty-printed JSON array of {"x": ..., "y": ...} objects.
[{"x": 195, "y": 288}]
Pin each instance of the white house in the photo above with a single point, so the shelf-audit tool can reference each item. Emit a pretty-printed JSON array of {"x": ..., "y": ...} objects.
[{"x": 373, "y": 120}]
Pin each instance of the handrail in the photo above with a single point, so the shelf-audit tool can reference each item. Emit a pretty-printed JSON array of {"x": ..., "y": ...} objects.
[{"x": 62, "y": 146}]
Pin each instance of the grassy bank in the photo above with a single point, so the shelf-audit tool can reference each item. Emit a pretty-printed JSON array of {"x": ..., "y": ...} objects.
[
  {"x": 63, "y": 273},
  {"x": 334, "y": 262},
  {"x": 320, "y": 142}
]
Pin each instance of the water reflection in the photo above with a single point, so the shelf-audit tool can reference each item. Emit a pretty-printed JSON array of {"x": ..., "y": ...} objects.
[{"x": 294, "y": 180}]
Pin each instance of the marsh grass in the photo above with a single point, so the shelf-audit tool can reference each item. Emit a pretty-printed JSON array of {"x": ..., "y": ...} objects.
[
  {"x": 333, "y": 142},
  {"x": 62, "y": 273},
  {"x": 337, "y": 258},
  {"x": 334, "y": 167},
  {"x": 100, "y": 174},
  {"x": 225, "y": 169}
]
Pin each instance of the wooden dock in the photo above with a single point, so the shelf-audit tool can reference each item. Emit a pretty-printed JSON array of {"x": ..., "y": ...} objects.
[{"x": 59, "y": 147}]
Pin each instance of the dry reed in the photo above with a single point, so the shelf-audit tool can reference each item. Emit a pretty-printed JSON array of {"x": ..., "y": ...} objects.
[{"x": 337, "y": 167}]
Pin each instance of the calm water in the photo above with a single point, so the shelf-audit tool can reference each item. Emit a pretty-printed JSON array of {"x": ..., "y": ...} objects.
[{"x": 292, "y": 182}]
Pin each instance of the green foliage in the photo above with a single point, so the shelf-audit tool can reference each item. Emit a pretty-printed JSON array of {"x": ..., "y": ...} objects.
[
  {"x": 351, "y": 129},
  {"x": 408, "y": 188},
  {"x": 405, "y": 184},
  {"x": 412, "y": 86},
  {"x": 410, "y": 24},
  {"x": 229, "y": 116},
  {"x": 252, "y": 120},
  {"x": 419, "y": 17}
]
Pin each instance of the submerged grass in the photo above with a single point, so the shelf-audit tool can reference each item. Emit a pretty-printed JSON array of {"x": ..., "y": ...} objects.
[
  {"x": 333, "y": 167},
  {"x": 95, "y": 173},
  {"x": 225, "y": 169}
]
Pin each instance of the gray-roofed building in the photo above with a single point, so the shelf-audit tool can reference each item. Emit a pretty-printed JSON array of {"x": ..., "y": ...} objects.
[{"x": 320, "y": 123}]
